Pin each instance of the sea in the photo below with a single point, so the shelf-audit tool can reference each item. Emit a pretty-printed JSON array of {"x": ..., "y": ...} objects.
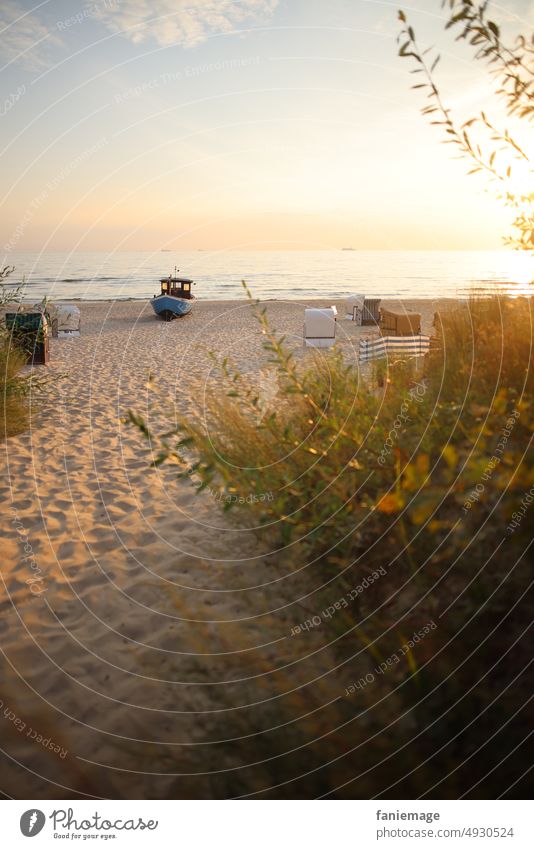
[{"x": 280, "y": 275}]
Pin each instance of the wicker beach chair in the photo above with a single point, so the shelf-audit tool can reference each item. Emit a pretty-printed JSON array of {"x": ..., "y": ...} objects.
[
  {"x": 371, "y": 312},
  {"x": 354, "y": 307},
  {"x": 399, "y": 323},
  {"x": 64, "y": 319},
  {"x": 363, "y": 311}
]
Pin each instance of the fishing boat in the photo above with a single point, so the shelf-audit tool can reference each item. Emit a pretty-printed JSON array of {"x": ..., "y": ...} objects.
[{"x": 175, "y": 297}]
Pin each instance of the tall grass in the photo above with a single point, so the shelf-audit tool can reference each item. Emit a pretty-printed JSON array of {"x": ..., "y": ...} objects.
[
  {"x": 14, "y": 389},
  {"x": 340, "y": 451},
  {"x": 20, "y": 390}
]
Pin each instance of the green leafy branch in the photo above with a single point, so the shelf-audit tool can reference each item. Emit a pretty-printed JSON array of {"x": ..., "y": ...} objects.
[{"x": 512, "y": 64}]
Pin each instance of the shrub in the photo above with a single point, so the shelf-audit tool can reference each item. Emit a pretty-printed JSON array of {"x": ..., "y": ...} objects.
[
  {"x": 416, "y": 473},
  {"x": 17, "y": 387},
  {"x": 14, "y": 389}
]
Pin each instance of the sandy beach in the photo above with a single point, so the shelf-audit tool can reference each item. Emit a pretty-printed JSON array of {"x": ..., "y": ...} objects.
[{"x": 137, "y": 620}]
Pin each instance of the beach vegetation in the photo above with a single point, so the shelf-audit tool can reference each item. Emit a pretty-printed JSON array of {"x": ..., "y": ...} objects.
[
  {"x": 21, "y": 390},
  {"x": 411, "y": 472},
  {"x": 400, "y": 511}
]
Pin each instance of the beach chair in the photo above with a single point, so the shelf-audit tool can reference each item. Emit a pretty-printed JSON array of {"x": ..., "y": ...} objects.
[
  {"x": 363, "y": 311},
  {"x": 320, "y": 327},
  {"x": 371, "y": 312},
  {"x": 65, "y": 320},
  {"x": 30, "y": 333},
  {"x": 400, "y": 323},
  {"x": 384, "y": 346},
  {"x": 354, "y": 307}
]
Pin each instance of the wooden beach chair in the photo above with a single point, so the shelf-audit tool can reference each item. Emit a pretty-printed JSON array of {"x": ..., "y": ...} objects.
[
  {"x": 363, "y": 311},
  {"x": 371, "y": 312},
  {"x": 30, "y": 332},
  {"x": 399, "y": 323}
]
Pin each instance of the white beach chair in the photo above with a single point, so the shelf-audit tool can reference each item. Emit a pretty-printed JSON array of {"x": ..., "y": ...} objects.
[
  {"x": 66, "y": 319},
  {"x": 320, "y": 327}
]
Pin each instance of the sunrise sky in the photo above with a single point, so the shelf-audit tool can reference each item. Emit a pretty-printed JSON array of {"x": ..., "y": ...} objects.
[{"x": 257, "y": 124}]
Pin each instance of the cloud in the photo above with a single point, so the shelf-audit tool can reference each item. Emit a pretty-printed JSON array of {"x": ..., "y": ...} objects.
[
  {"x": 185, "y": 22},
  {"x": 23, "y": 38}
]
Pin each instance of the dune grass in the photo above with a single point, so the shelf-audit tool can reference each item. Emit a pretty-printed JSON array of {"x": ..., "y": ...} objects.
[
  {"x": 14, "y": 390},
  {"x": 21, "y": 390},
  {"x": 342, "y": 452},
  {"x": 416, "y": 470}
]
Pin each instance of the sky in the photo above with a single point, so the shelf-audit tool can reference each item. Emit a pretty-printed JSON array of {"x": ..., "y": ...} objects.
[{"x": 235, "y": 125}]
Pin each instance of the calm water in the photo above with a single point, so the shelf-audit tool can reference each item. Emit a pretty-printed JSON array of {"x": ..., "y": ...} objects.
[{"x": 292, "y": 275}]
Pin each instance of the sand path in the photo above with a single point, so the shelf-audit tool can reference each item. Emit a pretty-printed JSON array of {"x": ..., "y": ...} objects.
[{"x": 151, "y": 617}]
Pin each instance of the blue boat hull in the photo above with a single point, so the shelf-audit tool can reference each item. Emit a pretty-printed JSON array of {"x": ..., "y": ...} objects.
[{"x": 169, "y": 307}]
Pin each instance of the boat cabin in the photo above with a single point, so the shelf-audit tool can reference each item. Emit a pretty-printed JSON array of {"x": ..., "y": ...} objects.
[{"x": 177, "y": 287}]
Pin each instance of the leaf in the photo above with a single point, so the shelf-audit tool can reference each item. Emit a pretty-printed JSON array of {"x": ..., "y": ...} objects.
[
  {"x": 423, "y": 464},
  {"x": 423, "y": 506},
  {"x": 393, "y": 502},
  {"x": 411, "y": 662},
  {"x": 415, "y": 474},
  {"x": 450, "y": 456},
  {"x": 139, "y": 423},
  {"x": 160, "y": 459},
  {"x": 188, "y": 440}
]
